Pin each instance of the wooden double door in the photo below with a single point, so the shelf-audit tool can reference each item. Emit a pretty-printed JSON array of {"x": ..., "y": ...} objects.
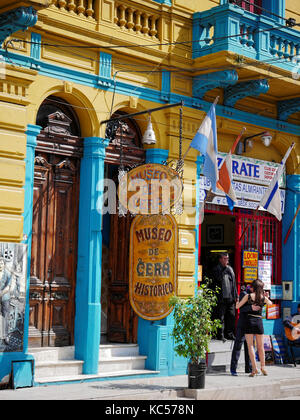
[{"x": 54, "y": 250}]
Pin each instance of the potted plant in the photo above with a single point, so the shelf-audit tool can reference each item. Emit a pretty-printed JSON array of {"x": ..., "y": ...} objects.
[{"x": 193, "y": 331}]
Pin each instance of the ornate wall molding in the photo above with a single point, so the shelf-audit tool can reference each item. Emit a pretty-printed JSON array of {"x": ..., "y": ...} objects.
[
  {"x": 243, "y": 89},
  {"x": 206, "y": 82},
  {"x": 16, "y": 20},
  {"x": 287, "y": 108}
]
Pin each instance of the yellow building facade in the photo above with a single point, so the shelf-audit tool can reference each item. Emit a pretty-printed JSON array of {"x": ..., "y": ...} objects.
[{"x": 98, "y": 58}]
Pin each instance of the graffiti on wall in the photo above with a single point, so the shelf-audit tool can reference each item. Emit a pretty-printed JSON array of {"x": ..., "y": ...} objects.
[{"x": 13, "y": 262}]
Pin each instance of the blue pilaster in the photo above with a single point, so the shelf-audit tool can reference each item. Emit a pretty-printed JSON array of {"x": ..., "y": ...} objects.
[
  {"x": 88, "y": 283},
  {"x": 165, "y": 86},
  {"x": 32, "y": 132},
  {"x": 105, "y": 70},
  {"x": 35, "y": 51},
  {"x": 291, "y": 250}
]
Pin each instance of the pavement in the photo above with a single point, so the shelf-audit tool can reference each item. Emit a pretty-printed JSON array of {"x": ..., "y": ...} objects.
[{"x": 282, "y": 382}]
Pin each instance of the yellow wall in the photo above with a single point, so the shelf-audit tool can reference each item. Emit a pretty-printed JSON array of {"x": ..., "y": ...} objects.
[{"x": 23, "y": 91}]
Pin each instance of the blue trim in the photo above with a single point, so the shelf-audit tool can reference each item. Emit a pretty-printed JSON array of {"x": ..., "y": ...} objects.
[
  {"x": 86, "y": 79},
  {"x": 15, "y": 20},
  {"x": 206, "y": 82},
  {"x": 165, "y": 2},
  {"x": 32, "y": 132},
  {"x": 290, "y": 250},
  {"x": 165, "y": 86},
  {"x": 88, "y": 283},
  {"x": 105, "y": 70}
]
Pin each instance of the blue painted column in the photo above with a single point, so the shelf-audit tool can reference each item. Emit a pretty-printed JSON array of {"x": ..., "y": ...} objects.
[
  {"x": 32, "y": 132},
  {"x": 291, "y": 250},
  {"x": 88, "y": 283}
]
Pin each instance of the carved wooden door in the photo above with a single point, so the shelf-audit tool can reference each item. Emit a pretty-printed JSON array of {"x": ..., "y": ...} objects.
[
  {"x": 54, "y": 250},
  {"x": 122, "y": 320}
]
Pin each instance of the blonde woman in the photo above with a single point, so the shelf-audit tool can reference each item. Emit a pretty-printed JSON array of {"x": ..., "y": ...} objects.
[{"x": 254, "y": 325}]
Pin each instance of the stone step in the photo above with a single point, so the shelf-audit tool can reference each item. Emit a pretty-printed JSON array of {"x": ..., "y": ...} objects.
[
  {"x": 57, "y": 368},
  {"x": 54, "y": 363},
  {"x": 118, "y": 364},
  {"x": 83, "y": 377},
  {"x": 118, "y": 350},
  {"x": 47, "y": 354}
]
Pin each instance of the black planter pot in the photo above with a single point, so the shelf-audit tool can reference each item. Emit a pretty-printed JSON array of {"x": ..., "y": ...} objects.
[{"x": 196, "y": 375}]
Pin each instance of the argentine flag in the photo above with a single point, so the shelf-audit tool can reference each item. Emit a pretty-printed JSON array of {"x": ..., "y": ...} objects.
[
  {"x": 271, "y": 200},
  {"x": 206, "y": 142}
]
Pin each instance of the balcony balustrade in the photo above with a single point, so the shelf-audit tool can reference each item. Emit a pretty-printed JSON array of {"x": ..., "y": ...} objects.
[
  {"x": 134, "y": 20},
  {"x": 230, "y": 28}
]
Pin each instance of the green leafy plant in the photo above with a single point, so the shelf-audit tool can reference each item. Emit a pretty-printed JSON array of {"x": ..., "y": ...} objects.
[{"x": 193, "y": 324}]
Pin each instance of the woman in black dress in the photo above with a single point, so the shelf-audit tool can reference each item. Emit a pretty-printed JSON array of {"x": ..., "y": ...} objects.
[{"x": 254, "y": 324}]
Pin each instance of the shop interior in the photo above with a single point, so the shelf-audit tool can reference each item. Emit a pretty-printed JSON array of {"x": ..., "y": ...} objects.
[{"x": 217, "y": 235}]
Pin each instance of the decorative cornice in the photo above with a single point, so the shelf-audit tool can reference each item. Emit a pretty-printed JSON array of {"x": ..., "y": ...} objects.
[
  {"x": 16, "y": 20},
  {"x": 287, "y": 108},
  {"x": 206, "y": 82},
  {"x": 243, "y": 89}
]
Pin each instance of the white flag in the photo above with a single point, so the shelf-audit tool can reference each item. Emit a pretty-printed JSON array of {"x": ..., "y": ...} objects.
[{"x": 271, "y": 200}]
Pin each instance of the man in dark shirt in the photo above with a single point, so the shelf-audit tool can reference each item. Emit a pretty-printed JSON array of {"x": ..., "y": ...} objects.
[{"x": 224, "y": 278}]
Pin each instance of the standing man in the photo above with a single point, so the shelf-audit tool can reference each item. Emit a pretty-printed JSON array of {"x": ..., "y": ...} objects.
[{"x": 224, "y": 278}]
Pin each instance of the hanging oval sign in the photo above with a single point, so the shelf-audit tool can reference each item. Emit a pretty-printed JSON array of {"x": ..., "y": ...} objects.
[
  {"x": 153, "y": 265},
  {"x": 150, "y": 189}
]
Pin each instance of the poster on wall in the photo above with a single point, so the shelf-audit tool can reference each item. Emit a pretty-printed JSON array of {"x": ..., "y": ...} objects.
[
  {"x": 264, "y": 273},
  {"x": 13, "y": 264},
  {"x": 153, "y": 265}
]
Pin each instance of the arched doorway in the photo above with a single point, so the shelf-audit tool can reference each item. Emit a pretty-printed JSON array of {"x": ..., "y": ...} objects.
[
  {"x": 54, "y": 225},
  {"x": 118, "y": 320}
]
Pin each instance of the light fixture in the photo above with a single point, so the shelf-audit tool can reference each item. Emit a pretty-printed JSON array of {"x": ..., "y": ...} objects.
[
  {"x": 149, "y": 135},
  {"x": 265, "y": 136}
]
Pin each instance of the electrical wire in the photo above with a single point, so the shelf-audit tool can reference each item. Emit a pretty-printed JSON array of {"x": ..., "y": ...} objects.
[{"x": 174, "y": 43}]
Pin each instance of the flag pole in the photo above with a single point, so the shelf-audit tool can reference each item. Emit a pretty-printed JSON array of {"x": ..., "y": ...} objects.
[
  {"x": 282, "y": 163},
  {"x": 292, "y": 224},
  {"x": 188, "y": 149},
  {"x": 231, "y": 151}
]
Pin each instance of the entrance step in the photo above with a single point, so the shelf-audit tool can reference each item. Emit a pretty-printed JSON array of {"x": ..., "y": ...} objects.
[
  {"x": 57, "y": 364},
  {"x": 219, "y": 356}
]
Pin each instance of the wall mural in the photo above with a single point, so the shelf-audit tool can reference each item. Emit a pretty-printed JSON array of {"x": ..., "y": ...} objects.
[{"x": 13, "y": 263}]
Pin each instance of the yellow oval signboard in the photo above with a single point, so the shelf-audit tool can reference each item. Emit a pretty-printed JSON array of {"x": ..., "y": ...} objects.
[
  {"x": 150, "y": 189},
  {"x": 153, "y": 265}
]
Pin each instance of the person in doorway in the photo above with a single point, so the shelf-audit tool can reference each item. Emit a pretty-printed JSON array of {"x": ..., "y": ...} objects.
[
  {"x": 254, "y": 324},
  {"x": 224, "y": 278},
  {"x": 240, "y": 335},
  {"x": 290, "y": 321}
]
